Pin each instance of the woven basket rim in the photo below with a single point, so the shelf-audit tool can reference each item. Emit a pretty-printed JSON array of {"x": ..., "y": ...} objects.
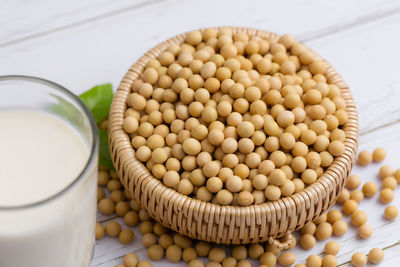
[{"x": 119, "y": 140}]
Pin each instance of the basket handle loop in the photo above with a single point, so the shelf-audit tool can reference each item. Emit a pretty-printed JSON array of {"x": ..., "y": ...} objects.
[{"x": 282, "y": 244}]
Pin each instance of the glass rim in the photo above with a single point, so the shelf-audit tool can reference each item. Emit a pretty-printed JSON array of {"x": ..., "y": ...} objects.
[{"x": 93, "y": 146}]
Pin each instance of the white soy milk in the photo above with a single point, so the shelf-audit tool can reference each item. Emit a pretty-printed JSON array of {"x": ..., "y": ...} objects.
[{"x": 40, "y": 156}]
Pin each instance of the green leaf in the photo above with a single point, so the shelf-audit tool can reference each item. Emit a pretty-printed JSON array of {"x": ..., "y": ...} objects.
[
  {"x": 98, "y": 100},
  {"x": 104, "y": 150}
]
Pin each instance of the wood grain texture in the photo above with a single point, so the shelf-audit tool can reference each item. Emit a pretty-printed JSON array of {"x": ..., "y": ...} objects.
[
  {"x": 24, "y": 20},
  {"x": 359, "y": 38},
  {"x": 90, "y": 53}
]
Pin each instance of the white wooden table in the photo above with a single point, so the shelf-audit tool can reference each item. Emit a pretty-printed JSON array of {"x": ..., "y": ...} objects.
[{"x": 80, "y": 43}]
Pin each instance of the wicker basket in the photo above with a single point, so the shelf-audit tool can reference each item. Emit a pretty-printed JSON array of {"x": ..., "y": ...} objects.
[{"x": 227, "y": 224}]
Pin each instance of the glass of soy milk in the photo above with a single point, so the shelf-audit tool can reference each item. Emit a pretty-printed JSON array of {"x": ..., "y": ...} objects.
[{"x": 48, "y": 175}]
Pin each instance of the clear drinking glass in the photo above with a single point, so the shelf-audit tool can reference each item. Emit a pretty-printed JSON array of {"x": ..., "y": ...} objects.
[{"x": 58, "y": 231}]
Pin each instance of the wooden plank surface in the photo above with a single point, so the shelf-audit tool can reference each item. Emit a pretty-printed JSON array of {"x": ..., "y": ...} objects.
[
  {"x": 82, "y": 43},
  {"x": 102, "y": 50},
  {"x": 24, "y": 20}
]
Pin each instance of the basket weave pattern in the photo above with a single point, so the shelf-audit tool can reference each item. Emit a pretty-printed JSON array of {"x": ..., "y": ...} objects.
[{"x": 227, "y": 224}]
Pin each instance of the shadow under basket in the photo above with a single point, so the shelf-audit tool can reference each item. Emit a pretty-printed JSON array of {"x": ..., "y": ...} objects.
[{"x": 272, "y": 221}]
